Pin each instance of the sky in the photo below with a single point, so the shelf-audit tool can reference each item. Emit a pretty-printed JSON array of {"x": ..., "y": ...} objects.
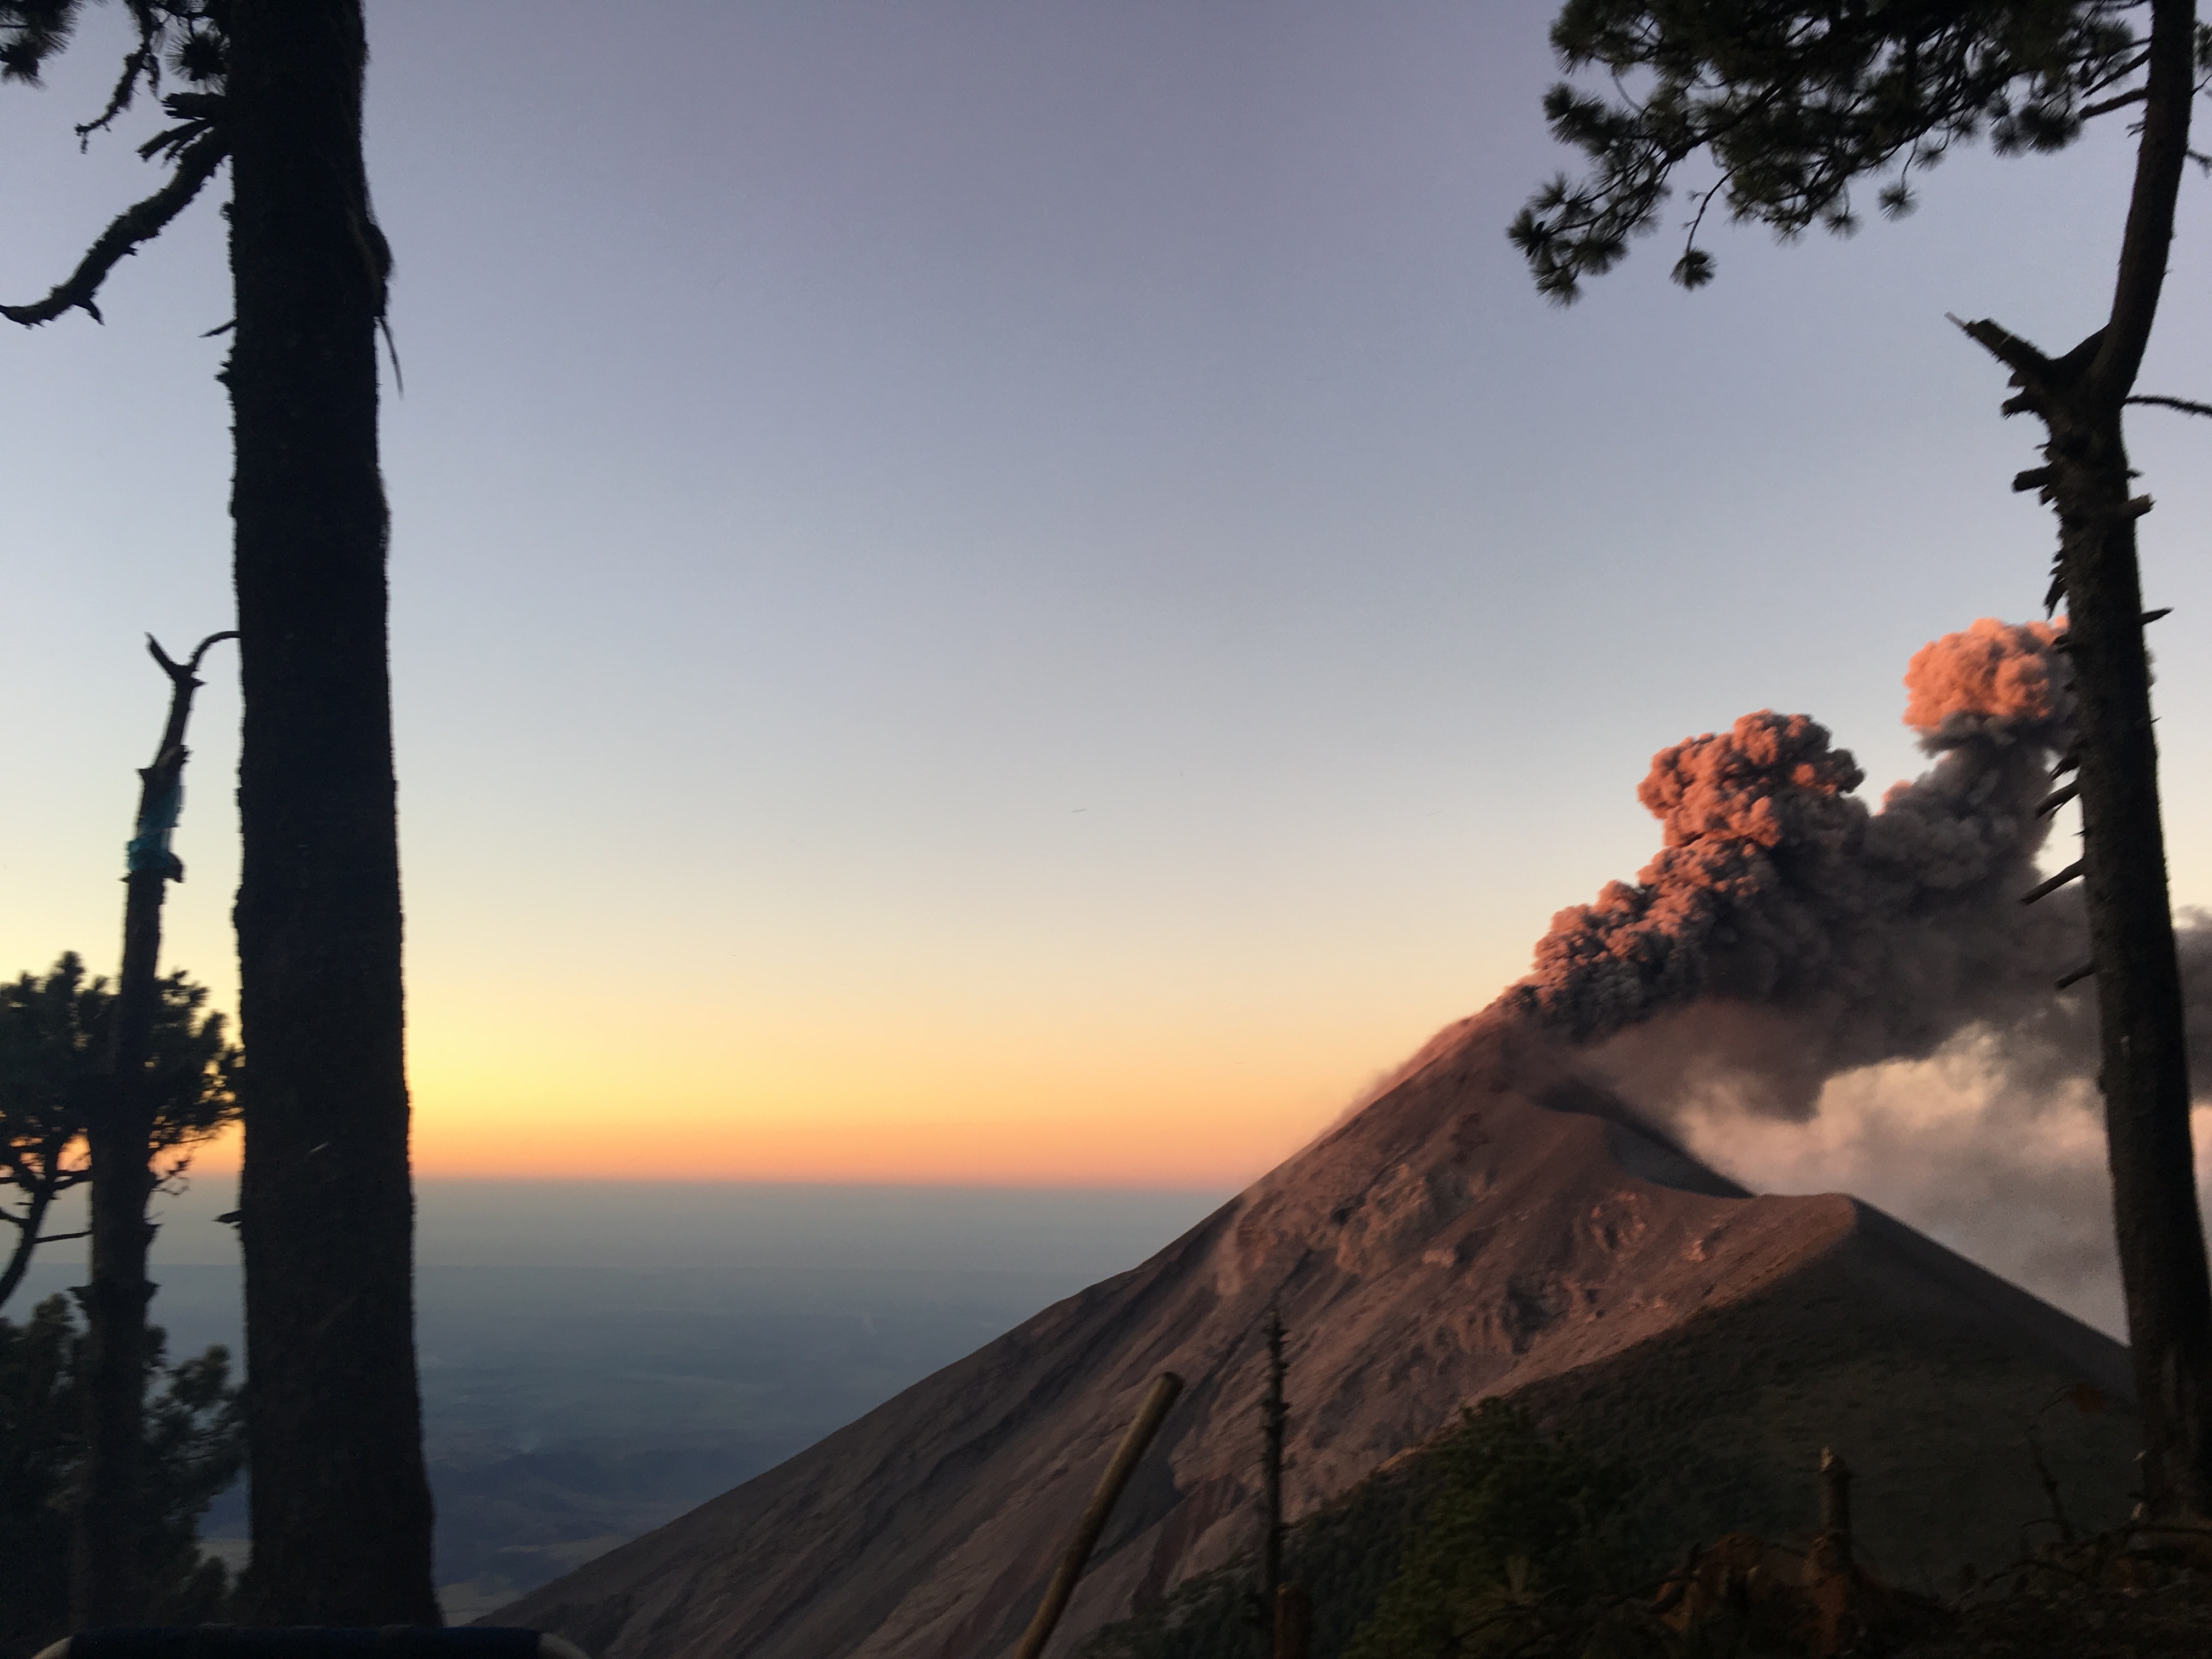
[{"x": 1024, "y": 593}]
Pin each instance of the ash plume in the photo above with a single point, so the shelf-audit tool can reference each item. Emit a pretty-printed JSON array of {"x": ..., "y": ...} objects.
[{"x": 1817, "y": 935}]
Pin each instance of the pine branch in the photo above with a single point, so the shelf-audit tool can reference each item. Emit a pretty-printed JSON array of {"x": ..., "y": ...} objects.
[
  {"x": 2106, "y": 106},
  {"x": 134, "y": 225},
  {"x": 143, "y": 63}
]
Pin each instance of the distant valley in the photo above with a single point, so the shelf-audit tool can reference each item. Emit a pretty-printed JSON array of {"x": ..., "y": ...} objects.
[{"x": 597, "y": 1360}]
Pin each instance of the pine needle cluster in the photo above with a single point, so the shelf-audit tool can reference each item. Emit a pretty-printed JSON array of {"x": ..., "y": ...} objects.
[{"x": 1795, "y": 102}]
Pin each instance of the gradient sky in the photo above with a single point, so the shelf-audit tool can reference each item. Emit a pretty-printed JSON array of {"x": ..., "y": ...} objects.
[{"x": 1024, "y": 591}]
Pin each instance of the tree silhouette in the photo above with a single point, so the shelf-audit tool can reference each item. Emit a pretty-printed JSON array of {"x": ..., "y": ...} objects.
[
  {"x": 195, "y": 1446},
  {"x": 1798, "y": 103},
  {"x": 341, "y": 1509},
  {"x": 54, "y": 1041}
]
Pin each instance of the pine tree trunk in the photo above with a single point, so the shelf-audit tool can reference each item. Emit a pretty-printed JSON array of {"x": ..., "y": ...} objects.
[
  {"x": 341, "y": 1510},
  {"x": 2144, "y": 1074},
  {"x": 2145, "y": 1070}
]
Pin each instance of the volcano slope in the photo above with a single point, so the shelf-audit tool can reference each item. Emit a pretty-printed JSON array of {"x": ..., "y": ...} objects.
[{"x": 1488, "y": 1225}]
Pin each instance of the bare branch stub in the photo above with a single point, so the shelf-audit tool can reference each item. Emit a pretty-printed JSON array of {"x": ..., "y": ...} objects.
[
  {"x": 2044, "y": 889},
  {"x": 2187, "y": 407}
]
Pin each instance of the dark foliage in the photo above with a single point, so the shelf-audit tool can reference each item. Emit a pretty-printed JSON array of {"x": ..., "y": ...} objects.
[
  {"x": 1794, "y": 102},
  {"x": 1497, "y": 1538},
  {"x": 195, "y": 1444},
  {"x": 184, "y": 37},
  {"x": 1516, "y": 1553},
  {"x": 1344, "y": 1557},
  {"x": 54, "y": 1040}
]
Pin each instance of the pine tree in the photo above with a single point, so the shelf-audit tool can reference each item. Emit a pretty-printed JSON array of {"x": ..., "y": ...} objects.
[
  {"x": 53, "y": 1047},
  {"x": 1797, "y": 105}
]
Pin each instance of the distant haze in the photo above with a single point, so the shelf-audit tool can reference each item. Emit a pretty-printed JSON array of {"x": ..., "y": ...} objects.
[{"x": 599, "y": 1356}]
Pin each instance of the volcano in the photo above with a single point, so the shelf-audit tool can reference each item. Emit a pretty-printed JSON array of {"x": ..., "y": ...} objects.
[{"x": 1492, "y": 1223}]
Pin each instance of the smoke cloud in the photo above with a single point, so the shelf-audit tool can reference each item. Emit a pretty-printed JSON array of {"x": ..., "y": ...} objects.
[
  {"x": 1813, "y": 995},
  {"x": 1831, "y": 935}
]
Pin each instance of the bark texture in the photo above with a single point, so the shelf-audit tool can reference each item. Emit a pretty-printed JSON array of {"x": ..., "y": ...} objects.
[
  {"x": 341, "y": 1510},
  {"x": 2145, "y": 1062}
]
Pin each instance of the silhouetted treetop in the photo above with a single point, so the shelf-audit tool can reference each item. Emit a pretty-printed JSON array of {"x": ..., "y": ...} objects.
[
  {"x": 55, "y": 1037},
  {"x": 1794, "y": 104}
]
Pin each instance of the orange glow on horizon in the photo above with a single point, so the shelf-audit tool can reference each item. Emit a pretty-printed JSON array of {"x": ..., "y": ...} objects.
[
  {"x": 1157, "y": 1151},
  {"x": 1091, "y": 1099},
  {"x": 1121, "y": 1125}
]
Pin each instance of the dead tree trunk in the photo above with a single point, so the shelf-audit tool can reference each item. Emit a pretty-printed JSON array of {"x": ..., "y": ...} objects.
[
  {"x": 112, "y": 1522},
  {"x": 2144, "y": 1075}
]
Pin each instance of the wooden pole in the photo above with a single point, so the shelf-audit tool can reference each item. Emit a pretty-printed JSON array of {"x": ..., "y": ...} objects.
[{"x": 1117, "y": 1474}]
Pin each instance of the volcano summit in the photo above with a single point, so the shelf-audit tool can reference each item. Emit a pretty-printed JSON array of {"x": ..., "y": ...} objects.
[{"x": 1499, "y": 1220}]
